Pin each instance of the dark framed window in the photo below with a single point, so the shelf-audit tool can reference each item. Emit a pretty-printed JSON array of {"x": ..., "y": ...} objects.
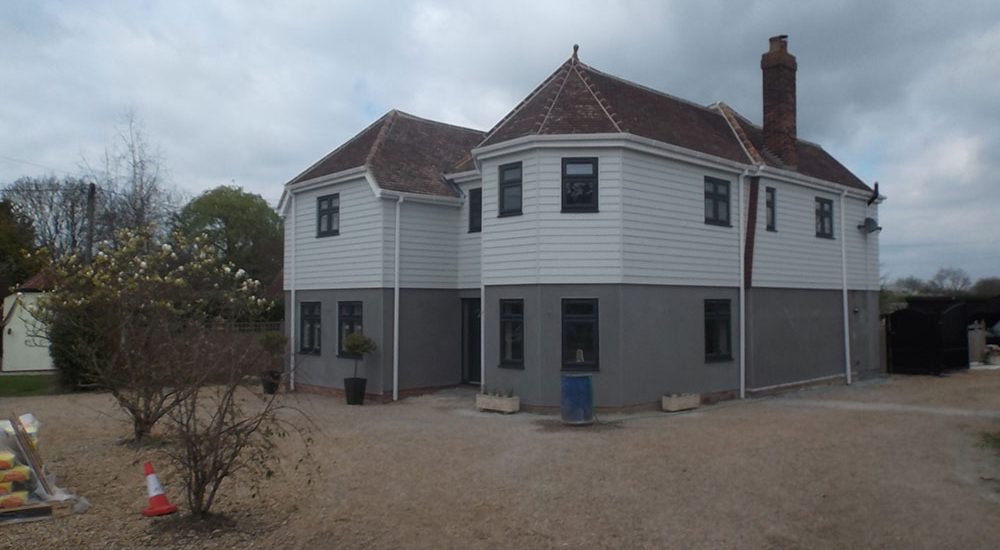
[
  {"x": 348, "y": 322},
  {"x": 309, "y": 327},
  {"x": 769, "y": 200},
  {"x": 716, "y": 201},
  {"x": 824, "y": 218},
  {"x": 579, "y": 185},
  {"x": 475, "y": 210},
  {"x": 718, "y": 331},
  {"x": 580, "y": 350},
  {"x": 509, "y": 191},
  {"x": 512, "y": 333},
  {"x": 328, "y": 215}
]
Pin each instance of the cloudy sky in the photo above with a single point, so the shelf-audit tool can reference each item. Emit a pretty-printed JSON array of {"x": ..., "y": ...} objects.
[{"x": 904, "y": 93}]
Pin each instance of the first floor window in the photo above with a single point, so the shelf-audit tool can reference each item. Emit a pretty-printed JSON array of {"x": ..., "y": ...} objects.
[
  {"x": 718, "y": 331},
  {"x": 509, "y": 190},
  {"x": 328, "y": 215},
  {"x": 579, "y": 185},
  {"x": 824, "y": 218},
  {"x": 579, "y": 334},
  {"x": 309, "y": 327},
  {"x": 716, "y": 201},
  {"x": 769, "y": 194},
  {"x": 475, "y": 210},
  {"x": 512, "y": 332},
  {"x": 348, "y": 322}
]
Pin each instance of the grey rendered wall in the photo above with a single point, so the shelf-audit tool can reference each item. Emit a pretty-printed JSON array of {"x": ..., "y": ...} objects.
[
  {"x": 430, "y": 345},
  {"x": 793, "y": 335},
  {"x": 327, "y": 369},
  {"x": 651, "y": 342}
]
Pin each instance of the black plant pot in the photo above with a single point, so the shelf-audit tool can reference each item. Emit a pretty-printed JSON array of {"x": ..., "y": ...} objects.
[
  {"x": 270, "y": 380},
  {"x": 355, "y": 390}
]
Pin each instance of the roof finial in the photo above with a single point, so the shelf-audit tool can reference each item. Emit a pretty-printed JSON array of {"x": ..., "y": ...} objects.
[{"x": 576, "y": 48}]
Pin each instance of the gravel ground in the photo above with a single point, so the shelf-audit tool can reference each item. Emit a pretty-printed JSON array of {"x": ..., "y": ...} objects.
[{"x": 890, "y": 463}]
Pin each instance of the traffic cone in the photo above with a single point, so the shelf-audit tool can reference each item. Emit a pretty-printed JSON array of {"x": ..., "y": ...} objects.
[{"x": 158, "y": 503}]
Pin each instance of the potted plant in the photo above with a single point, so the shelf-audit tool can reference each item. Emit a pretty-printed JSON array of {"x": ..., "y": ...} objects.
[
  {"x": 356, "y": 345},
  {"x": 273, "y": 344}
]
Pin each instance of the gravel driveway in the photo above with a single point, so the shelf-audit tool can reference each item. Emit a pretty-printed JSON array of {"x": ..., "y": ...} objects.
[{"x": 891, "y": 463}]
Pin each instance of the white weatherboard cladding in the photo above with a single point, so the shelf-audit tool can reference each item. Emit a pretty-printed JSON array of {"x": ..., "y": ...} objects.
[
  {"x": 794, "y": 257},
  {"x": 544, "y": 245},
  {"x": 427, "y": 257},
  {"x": 665, "y": 237},
  {"x": 469, "y": 244},
  {"x": 351, "y": 259}
]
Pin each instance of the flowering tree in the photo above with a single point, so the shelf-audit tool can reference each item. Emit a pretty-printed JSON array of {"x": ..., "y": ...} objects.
[{"x": 144, "y": 316}]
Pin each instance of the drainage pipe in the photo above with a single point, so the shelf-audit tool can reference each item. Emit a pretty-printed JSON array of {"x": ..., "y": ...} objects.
[
  {"x": 291, "y": 287},
  {"x": 741, "y": 278},
  {"x": 395, "y": 307},
  {"x": 843, "y": 290}
]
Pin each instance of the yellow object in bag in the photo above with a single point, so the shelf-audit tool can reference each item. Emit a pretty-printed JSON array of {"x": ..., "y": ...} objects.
[
  {"x": 6, "y": 488},
  {"x": 13, "y": 500},
  {"x": 17, "y": 473},
  {"x": 7, "y": 460}
]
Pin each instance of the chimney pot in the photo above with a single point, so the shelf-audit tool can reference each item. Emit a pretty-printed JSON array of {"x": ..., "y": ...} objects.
[{"x": 779, "y": 67}]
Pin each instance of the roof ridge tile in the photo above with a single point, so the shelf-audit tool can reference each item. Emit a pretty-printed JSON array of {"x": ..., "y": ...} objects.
[{"x": 601, "y": 100}]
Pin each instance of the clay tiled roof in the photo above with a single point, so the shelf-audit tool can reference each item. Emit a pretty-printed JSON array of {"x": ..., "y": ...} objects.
[
  {"x": 404, "y": 153},
  {"x": 578, "y": 99},
  {"x": 39, "y": 282}
]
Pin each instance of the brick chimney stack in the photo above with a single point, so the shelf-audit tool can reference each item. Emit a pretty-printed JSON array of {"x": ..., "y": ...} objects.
[{"x": 779, "y": 68}]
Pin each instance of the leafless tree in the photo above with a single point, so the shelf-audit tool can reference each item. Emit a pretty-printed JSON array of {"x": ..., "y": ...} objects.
[
  {"x": 57, "y": 209},
  {"x": 950, "y": 280}
]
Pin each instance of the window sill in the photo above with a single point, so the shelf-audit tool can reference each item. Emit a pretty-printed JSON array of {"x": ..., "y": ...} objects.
[
  {"x": 772, "y": 230},
  {"x": 579, "y": 211},
  {"x": 328, "y": 234},
  {"x": 509, "y": 214},
  {"x": 718, "y": 224},
  {"x": 821, "y": 236},
  {"x": 719, "y": 359},
  {"x": 316, "y": 353},
  {"x": 580, "y": 368},
  {"x": 480, "y": 230},
  {"x": 512, "y": 366}
]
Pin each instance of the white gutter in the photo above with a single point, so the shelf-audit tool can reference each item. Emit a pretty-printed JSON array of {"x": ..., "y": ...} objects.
[
  {"x": 291, "y": 287},
  {"x": 417, "y": 197},
  {"x": 395, "y": 307},
  {"x": 741, "y": 278},
  {"x": 843, "y": 291}
]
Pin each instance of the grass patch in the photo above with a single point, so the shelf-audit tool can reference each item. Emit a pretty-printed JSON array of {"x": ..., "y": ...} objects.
[
  {"x": 990, "y": 440},
  {"x": 24, "y": 385}
]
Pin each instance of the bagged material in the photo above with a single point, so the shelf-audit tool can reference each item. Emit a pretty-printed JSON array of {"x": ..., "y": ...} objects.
[
  {"x": 13, "y": 500},
  {"x": 7, "y": 459},
  {"x": 6, "y": 488},
  {"x": 17, "y": 473}
]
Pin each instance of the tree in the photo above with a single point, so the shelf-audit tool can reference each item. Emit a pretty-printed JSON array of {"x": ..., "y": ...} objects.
[
  {"x": 133, "y": 193},
  {"x": 910, "y": 286},
  {"x": 241, "y": 225},
  {"x": 17, "y": 241},
  {"x": 950, "y": 280},
  {"x": 134, "y": 321},
  {"x": 986, "y": 287},
  {"x": 57, "y": 209}
]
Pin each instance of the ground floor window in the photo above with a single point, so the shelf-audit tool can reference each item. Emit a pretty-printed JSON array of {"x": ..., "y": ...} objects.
[
  {"x": 580, "y": 334},
  {"x": 512, "y": 333},
  {"x": 348, "y": 322},
  {"x": 718, "y": 331},
  {"x": 309, "y": 327}
]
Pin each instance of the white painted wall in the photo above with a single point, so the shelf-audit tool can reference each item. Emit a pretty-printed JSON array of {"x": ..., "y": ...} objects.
[
  {"x": 352, "y": 259},
  {"x": 469, "y": 244},
  {"x": 544, "y": 245},
  {"x": 429, "y": 253},
  {"x": 794, "y": 257},
  {"x": 22, "y": 351},
  {"x": 666, "y": 239}
]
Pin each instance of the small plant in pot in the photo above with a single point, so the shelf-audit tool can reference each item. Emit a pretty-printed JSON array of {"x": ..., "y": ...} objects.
[
  {"x": 356, "y": 345},
  {"x": 273, "y": 344}
]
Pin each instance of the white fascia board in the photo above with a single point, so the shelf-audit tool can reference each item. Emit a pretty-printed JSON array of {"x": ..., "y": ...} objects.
[
  {"x": 322, "y": 181},
  {"x": 464, "y": 177},
  {"x": 813, "y": 183},
  {"x": 417, "y": 197},
  {"x": 624, "y": 140}
]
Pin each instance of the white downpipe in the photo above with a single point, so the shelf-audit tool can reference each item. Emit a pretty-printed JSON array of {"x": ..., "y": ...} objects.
[
  {"x": 482, "y": 332},
  {"x": 294, "y": 309},
  {"x": 395, "y": 308},
  {"x": 743, "y": 290},
  {"x": 843, "y": 291}
]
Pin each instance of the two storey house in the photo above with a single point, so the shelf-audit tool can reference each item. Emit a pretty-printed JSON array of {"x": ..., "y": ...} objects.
[{"x": 600, "y": 227}]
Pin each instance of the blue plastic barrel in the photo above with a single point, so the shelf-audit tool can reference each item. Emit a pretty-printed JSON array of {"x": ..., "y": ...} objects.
[{"x": 577, "y": 399}]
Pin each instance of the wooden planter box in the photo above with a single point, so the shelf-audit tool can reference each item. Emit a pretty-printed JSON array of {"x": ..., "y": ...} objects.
[
  {"x": 497, "y": 403},
  {"x": 681, "y": 402}
]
